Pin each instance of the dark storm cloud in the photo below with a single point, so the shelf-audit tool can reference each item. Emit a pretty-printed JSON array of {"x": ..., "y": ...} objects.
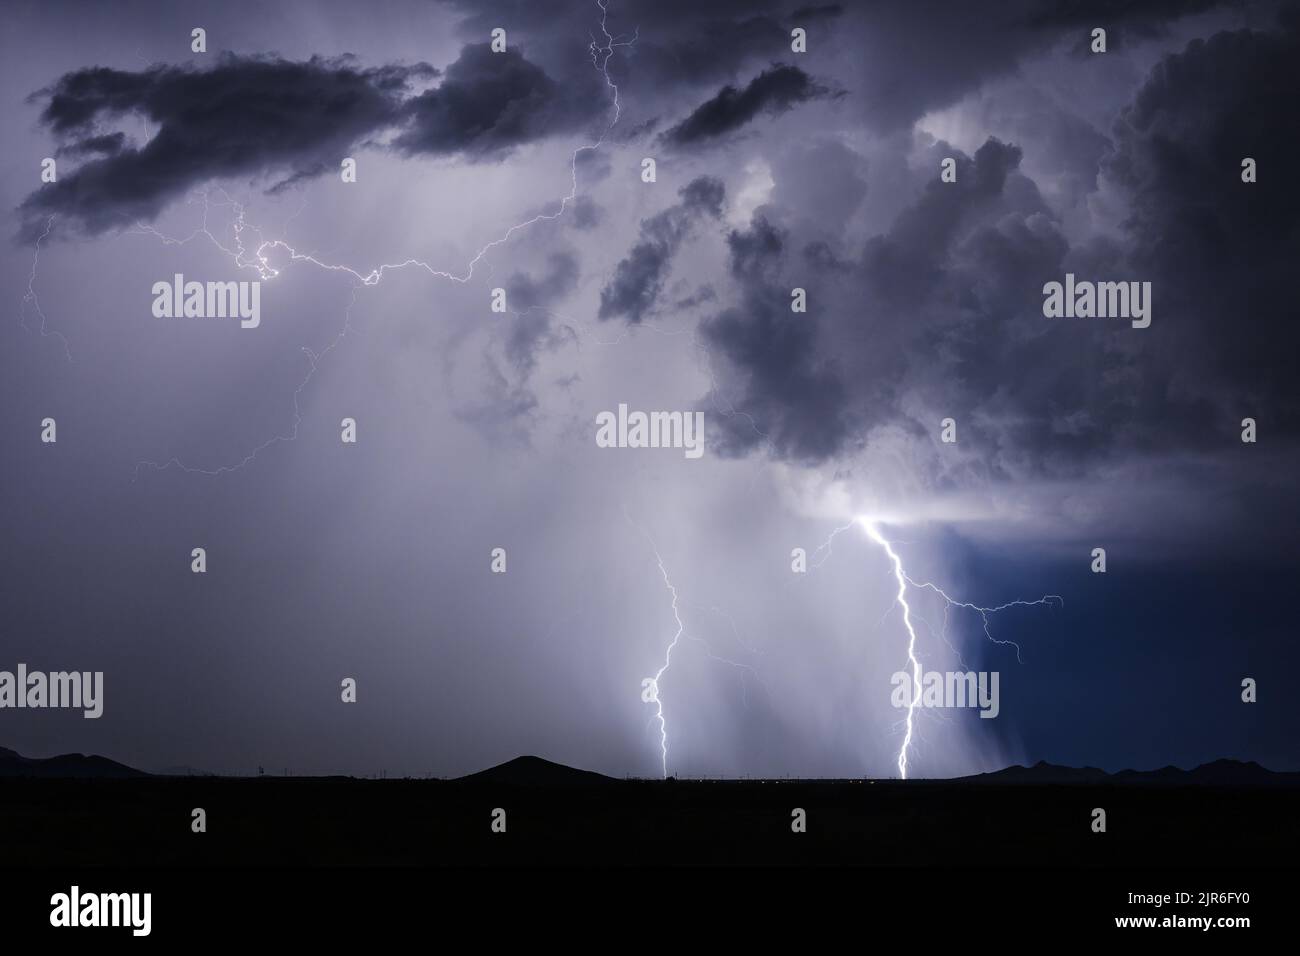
[
  {"x": 489, "y": 103},
  {"x": 680, "y": 42},
  {"x": 245, "y": 116},
  {"x": 703, "y": 45},
  {"x": 808, "y": 386},
  {"x": 953, "y": 292},
  {"x": 773, "y": 91},
  {"x": 755, "y": 250},
  {"x": 792, "y": 401},
  {"x": 902, "y": 266},
  {"x": 255, "y": 116},
  {"x": 1059, "y": 399},
  {"x": 680, "y": 48},
  {"x": 1221, "y": 252},
  {"x": 967, "y": 44},
  {"x": 944, "y": 310},
  {"x": 671, "y": 53},
  {"x": 639, "y": 278},
  {"x": 301, "y": 176},
  {"x": 1150, "y": 18}
]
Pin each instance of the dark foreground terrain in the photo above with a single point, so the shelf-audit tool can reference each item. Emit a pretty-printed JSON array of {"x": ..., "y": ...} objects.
[{"x": 1225, "y": 814}]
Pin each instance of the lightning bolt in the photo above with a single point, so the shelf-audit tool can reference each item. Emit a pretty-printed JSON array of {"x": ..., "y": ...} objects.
[
  {"x": 668, "y": 660},
  {"x": 676, "y": 639},
  {"x": 256, "y": 253},
  {"x": 1047, "y": 600},
  {"x": 873, "y": 531},
  {"x": 34, "y": 301},
  {"x": 259, "y": 261},
  {"x": 313, "y": 363}
]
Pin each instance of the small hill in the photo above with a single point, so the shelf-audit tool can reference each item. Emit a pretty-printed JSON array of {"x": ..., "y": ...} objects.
[
  {"x": 530, "y": 771},
  {"x": 13, "y": 764}
]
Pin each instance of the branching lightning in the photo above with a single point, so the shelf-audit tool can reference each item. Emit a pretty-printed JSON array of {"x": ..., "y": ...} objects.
[
  {"x": 256, "y": 253},
  {"x": 250, "y": 249},
  {"x": 1047, "y": 600},
  {"x": 905, "y": 584},
  {"x": 313, "y": 360},
  {"x": 873, "y": 531}
]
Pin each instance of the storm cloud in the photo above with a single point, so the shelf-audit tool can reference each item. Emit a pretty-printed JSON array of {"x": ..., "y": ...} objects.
[
  {"x": 521, "y": 172},
  {"x": 965, "y": 262},
  {"x": 258, "y": 116},
  {"x": 247, "y": 115},
  {"x": 772, "y": 92},
  {"x": 489, "y": 103},
  {"x": 639, "y": 278}
]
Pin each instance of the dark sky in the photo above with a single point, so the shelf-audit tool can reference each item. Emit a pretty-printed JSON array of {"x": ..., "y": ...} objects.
[{"x": 476, "y": 430}]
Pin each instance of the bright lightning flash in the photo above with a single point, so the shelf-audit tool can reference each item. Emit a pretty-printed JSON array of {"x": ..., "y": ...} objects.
[
  {"x": 650, "y": 692},
  {"x": 872, "y": 529},
  {"x": 668, "y": 659},
  {"x": 874, "y": 534}
]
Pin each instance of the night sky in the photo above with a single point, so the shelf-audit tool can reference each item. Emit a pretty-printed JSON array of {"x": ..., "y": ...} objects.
[{"x": 476, "y": 430}]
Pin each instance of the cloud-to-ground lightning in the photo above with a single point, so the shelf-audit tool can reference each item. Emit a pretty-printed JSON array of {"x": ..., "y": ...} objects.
[
  {"x": 650, "y": 685},
  {"x": 256, "y": 254},
  {"x": 872, "y": 528},
  {"x": 655, "y": 697},
  {"x": 249, "y": 248},
  {"x": 900, "y": 598}
]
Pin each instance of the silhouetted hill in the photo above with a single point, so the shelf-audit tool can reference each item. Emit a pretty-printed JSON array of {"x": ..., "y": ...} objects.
[
  {"x": 1237, "y": 772},
  {"x": 1219, "y": 773},
  {"x": 530, "y": 771},
  {"x": 536, "y": 772},
  {"x": 1223, "y": 773},
  {"x": 13, "y": 764},
  {"x": 1041, "y": 773},
  {"x": 557, "y": 816}
]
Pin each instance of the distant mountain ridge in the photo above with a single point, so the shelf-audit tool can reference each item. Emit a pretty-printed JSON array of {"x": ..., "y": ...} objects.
[
  {"x": 1221, "y": 772},
  {"x": 531, "y": 771}
]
